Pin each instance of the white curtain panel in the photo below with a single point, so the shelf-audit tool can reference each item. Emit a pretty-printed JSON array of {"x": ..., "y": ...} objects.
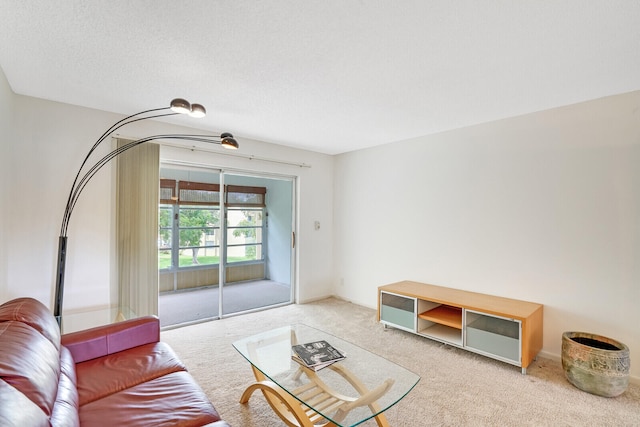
[{"x": 137, "y": 197}]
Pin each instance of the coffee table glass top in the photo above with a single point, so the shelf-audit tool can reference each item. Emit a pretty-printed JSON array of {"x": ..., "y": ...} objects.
[{"x": 270, "y": 353}]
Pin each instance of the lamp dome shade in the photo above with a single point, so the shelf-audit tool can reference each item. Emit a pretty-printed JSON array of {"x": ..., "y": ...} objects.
[
  {"x": 228, "y": 141},
  {"x": 198, "y": 111},
  {"x": 180, "y": 106}
]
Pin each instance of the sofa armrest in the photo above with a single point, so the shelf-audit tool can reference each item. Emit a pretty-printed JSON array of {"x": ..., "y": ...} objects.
[{"x": 109, "y": 339}]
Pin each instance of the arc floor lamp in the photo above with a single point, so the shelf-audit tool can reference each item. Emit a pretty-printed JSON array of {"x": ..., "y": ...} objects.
[{"x": 86, "y": 172}]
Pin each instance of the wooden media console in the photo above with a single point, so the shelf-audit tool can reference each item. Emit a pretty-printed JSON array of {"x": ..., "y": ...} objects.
[{"x": 505, "y": 329}]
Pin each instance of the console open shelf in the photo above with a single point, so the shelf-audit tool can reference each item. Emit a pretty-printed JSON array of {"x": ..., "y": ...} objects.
[
  {"x": 505, "y": 329},
  {"x": 445, "y": 315}
]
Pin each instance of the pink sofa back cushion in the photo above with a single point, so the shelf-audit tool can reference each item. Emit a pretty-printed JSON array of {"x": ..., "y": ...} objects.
[{"x": 97, "y": 342}]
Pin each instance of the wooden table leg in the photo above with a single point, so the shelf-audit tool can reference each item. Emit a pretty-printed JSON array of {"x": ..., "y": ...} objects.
[
  {"x": 292, "y": 412},
  {"x": 286, "y": 407},
  {"x": 283, "y": 404}
]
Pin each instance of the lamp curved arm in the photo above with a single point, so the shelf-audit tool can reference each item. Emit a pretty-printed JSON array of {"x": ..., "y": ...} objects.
[
  {"x": 82, "y": 182},
  {"x": 177, "y": 106},
  {"x": 113, "y": 128}
]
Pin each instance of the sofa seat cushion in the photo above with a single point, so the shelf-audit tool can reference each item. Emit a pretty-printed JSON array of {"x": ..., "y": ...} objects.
[
  {"x": 107, "y": 375},
  {"x": 173, "y": 399}
]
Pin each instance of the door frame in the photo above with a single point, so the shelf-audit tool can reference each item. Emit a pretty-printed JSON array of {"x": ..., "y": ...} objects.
[{"x": 293, "y": 259}]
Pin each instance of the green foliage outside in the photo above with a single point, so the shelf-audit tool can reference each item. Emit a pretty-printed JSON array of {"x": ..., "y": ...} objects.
[
  {"x": 194, "y": 223},
  {"x": 196, "y": 218},
  {"x": 164, "y": 221},
  {"x": 247, "y": 233}
]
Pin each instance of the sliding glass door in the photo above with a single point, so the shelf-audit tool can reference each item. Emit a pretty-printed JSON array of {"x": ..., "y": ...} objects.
[
  {"x": 224, "y": 243},
  {"x": 258, "y": 258}
]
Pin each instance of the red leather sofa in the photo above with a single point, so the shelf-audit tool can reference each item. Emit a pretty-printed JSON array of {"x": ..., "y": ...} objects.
[{"x": 114, "y": 375}]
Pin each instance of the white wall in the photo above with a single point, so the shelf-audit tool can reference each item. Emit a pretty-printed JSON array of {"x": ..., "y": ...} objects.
[
  {"x": 6, "y": 143},
  {"x": 279, "y": 198},
  {"x": 543, "y": 207},
  {"x": 50, "y": 141}
]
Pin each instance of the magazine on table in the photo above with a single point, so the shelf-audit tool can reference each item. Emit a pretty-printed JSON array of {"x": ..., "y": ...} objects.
[{"x": 316, "y": 355}]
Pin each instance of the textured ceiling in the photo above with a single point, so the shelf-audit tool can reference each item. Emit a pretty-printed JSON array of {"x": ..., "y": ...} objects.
[{"x": 330, "y": 76}]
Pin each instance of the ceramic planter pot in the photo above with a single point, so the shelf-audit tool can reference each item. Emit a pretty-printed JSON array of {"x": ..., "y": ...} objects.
[{"x": 595, "y": 364}]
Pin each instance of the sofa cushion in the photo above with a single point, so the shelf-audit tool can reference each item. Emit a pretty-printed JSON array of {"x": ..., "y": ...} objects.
[
  {"x": 29, "y": 413},
  {"x": 33, "y": 313},
  {"x": 30, "y": 363},
  {"x": 103, "y": 340},
  {"x": 104, "y": 376},
  {"x": 124, "y": 376},
  {"x": 174, "y": 399},
  {"x": 65, "y": 409}
]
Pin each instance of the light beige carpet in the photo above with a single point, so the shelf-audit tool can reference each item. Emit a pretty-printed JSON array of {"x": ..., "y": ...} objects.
[{"x": 457, "y": 388}]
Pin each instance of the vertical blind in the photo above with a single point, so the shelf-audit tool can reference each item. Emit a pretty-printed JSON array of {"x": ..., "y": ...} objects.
[{"x": 137, "y": 176}]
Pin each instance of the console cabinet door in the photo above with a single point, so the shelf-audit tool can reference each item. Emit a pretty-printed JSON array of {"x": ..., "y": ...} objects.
[
  {"x": 493, "y": 336},
  {"x": 398, "y": 311}
]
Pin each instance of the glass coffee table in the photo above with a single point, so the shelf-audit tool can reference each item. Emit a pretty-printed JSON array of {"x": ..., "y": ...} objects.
[{"x": 345, "y": 393}]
